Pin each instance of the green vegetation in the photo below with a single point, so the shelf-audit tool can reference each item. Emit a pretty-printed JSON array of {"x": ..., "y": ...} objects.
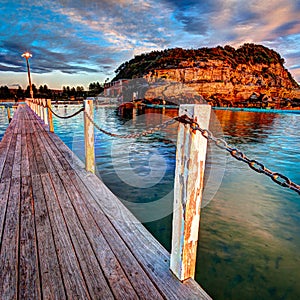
[
  {"x": 249, "y": 54},
  {"x": 67, "y": 92}
]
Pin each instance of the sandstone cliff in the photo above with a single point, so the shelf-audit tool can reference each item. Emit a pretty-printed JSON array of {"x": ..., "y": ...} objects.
[{"x": 227, "y": 74}]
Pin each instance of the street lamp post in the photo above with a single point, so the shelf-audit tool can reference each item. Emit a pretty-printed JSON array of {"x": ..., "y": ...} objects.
[{"x": 27, "y": 55}]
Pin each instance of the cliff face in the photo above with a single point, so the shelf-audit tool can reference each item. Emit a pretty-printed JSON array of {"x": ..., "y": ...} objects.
[
  {"x": 215, "y": 78},
  {"x": 224, "y": 73}
]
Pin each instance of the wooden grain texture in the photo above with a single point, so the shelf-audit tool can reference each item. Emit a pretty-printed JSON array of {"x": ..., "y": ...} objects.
[
  {"x": 50, "y": 117},
  {"x": 51, "y": 278},
  {"x": 7, "y": 168},
  {"x": 90, "y": 268},
  {"x": 135, "y": 273},
  {"x": 75, "y": 285},
  {"x": 111, "y": 267},
  {"x": 24, "y": 164},
  {"x": 29, "y": 281},
  {"x": 89, "y": 139},
  {"x": 9, "y": 257},
  {"x": 4, "y": 192},
  {"x": 188, "y": 187}
]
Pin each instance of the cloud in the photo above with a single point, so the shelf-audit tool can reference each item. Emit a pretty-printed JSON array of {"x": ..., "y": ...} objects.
[{"x": 89, "y": 36}]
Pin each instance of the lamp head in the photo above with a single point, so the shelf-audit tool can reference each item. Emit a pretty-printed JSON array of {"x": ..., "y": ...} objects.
[{"x": 26, "y": 55}]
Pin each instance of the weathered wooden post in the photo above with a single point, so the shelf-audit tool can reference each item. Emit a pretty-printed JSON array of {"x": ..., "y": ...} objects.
[
  {"x": 50, "y": 118},
  {"x": 189, "y": 172},
  {"x": 89, "y": 137},
  {"x": 40, "y": 107},
  {"x": 35, "y": 105},
  {"x": 45, "y": 112},
  {"x": 8, "y": 114}
]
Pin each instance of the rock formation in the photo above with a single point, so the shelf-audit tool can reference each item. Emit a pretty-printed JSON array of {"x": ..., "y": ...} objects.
[{"x": 221, "y": 75}]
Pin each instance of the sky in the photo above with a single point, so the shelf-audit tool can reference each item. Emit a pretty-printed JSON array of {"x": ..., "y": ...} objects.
[{"x": 76, "y": 42}]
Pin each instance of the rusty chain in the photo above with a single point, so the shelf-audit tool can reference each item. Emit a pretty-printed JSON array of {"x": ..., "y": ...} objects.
[
  {"x": 65, "y": 117},
  {"x": 255, "y": 165},
  {"x": 133, "y": 135}
]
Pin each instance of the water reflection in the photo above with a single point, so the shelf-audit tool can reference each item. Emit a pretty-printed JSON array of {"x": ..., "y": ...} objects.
[{"x": 237, "y": 125}]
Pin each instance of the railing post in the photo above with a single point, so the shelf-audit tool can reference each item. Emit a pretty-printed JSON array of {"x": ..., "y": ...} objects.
[
  {"x": 50, "y": 118},
  {"x": 8, "y": 114},
  {"x": 35, "y": 105},
  {"x": 89, "y": 137},
  {"x": 189, "y": 172},
  {"x": 45, "y": 112},
  {"x": 40, "y": 108}
]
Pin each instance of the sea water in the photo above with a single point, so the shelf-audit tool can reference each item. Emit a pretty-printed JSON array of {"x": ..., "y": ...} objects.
[{"x": 249, "y": 238}]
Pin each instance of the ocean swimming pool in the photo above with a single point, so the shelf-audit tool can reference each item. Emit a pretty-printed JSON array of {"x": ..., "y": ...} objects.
[{"x": 249, "y": 237}]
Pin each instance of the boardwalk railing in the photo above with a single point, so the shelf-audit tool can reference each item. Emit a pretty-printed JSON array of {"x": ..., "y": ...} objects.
[{"x": 190, "y": 164}]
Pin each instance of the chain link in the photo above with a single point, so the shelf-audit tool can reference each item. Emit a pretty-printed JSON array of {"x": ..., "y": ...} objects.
[
  {"x": 255, "y": 165},
  {"x": 66, "y": 117},
  {"x": 133, "y": 135}
]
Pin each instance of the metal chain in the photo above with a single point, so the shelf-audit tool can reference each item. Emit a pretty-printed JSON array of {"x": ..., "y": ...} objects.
[
  {"x": 255, "y": 165},
  {"x": 66, "y": 117},
  {"x": 132, "y": 135}
]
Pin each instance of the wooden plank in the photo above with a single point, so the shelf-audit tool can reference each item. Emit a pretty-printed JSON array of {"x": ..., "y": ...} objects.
[
  {"x": 7, "y": 169},
  {"x": 91, "y": 270},
  {"x": 70, "y": 160},
  {"x": 25, "y": 169},
  {"x": 41, "y": 167},
  {"x": 136, "y": 274},
  {"x": 16, "y": 170},
  {"x": 51, "y": 278},
  {"x": 49, "y": 161},
  {"x": 31, "y": 156},
  {"x": 72, "y": 275},
  {"x": 111, "y": 255},
  {"x": 7, "y": 150},
  {"x": 148, "y": 252},
  {"x": 4, "y": 148},
  {"x": 57, "y": 160},
  {"x": 29, "y": 281},
  {"x": 10, "y": 245},
  {"x": 4, "y": 192}
]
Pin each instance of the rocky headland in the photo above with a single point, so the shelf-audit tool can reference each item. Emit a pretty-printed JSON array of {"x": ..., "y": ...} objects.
[{"x": 252, "y": 75}]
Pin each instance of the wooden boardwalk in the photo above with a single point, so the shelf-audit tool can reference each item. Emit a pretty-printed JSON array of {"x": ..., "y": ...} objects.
[{"x": 64, "y": 235}]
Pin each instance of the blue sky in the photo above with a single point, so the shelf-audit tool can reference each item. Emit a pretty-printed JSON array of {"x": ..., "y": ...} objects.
[{"x": 75, "y": 42}]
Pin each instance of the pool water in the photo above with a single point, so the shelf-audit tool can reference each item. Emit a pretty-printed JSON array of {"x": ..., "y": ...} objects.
[{"x": 4, "y": 120}]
